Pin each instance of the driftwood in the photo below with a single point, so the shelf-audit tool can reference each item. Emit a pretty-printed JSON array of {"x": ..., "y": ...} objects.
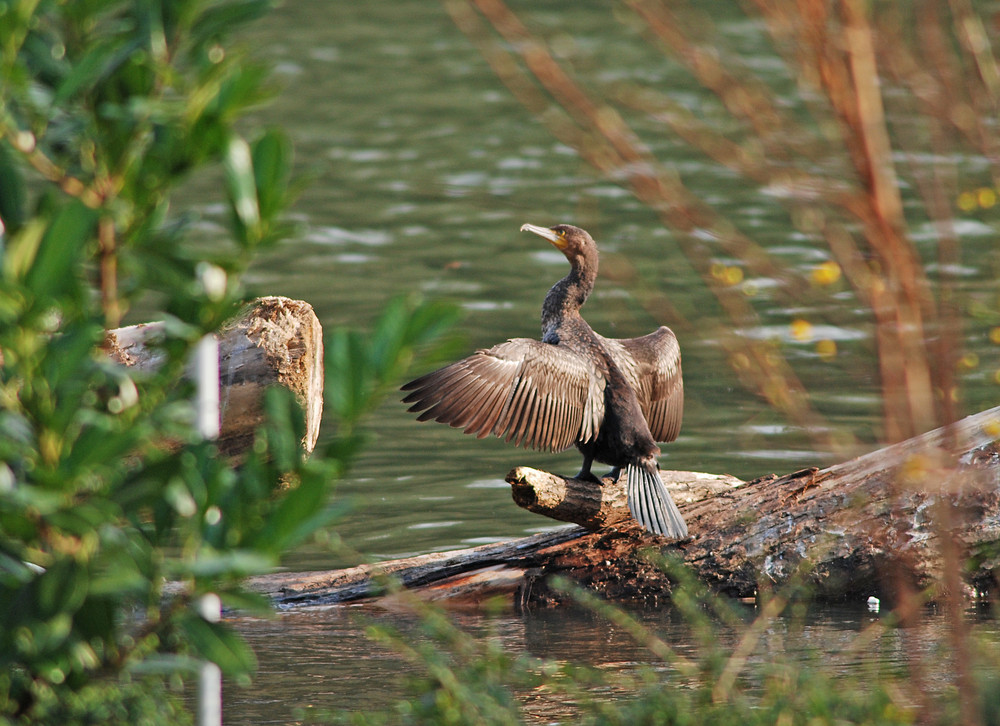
[
  {"x": 595, "y": 507},
  {"x": 846, "y": 530},
  {"x": 273, "y": 341}
]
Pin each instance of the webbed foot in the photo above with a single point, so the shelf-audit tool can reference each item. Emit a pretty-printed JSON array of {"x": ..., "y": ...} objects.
[{"x": 587, "y": 475}]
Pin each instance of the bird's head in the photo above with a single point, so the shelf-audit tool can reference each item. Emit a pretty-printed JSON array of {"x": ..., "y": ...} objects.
[{"x": 575, "y": 243}]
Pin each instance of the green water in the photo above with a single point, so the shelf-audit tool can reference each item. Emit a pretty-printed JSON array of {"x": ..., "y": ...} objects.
[
  {"x": 423, "y": 168},
  {"x": 317, "y": 660}
]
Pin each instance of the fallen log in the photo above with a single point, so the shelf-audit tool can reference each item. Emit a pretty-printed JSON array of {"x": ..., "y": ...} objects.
[
  {"x": 846, "y": 531},
  {"x": 272, "y": 341},
  {"x": 439, "y": 574},
  {"x": 594, "y": 507}
]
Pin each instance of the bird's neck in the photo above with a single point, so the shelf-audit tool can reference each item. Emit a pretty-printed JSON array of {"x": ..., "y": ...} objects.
[{"x": 568, "y": 295}]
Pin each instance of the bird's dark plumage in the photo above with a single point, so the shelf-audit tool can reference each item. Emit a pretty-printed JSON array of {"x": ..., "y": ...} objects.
[{"x": 613, "y": 399}]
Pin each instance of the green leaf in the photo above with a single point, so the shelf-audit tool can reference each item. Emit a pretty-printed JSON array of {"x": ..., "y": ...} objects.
[
  {"x": 165, "y": 664},
  {"x": 15, "y": 570},
  {"x": 301, "y": 511},
  {"x": 272, "y": 163},
  {"x": 62, "y": 588},
  {"x": 12, "y": 191},
  {"x": 349, "y": 380},
  {"x": 120, "y": 569},
  {"x": 246, "y": 601},
  {"x": 99, "y": 60},
  {"x": 220, "y": 18},
  {"x": 21, "y": 250},
  {"x": 83, "y": 518},
  {"x": 219, "y": 644},
  {"x": 61, "y": 249},
  {"x": 210, "y": 564},
  {"x": 285, "y": 427},
  {"x": 241, "y": 186}
]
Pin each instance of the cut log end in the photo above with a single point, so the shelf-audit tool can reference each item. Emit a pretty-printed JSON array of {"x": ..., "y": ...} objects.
[
  {"x": 275, "y": 340},
  {"x": 596, "y": 506}
]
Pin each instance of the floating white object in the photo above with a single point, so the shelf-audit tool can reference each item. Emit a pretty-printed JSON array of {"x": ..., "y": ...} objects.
[{"x": 873, "y": 604}]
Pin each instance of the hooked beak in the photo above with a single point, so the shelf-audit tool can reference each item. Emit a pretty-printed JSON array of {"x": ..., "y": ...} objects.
[{"x": 551, "y": 235}]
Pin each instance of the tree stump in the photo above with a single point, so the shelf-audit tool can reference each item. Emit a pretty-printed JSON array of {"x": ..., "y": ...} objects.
[{"x": 273, "y": 341}]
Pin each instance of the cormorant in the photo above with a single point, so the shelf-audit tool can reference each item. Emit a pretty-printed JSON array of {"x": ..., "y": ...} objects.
[{"x": 613, "y": 399}]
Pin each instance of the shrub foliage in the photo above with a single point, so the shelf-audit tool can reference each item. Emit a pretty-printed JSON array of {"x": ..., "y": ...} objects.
[{"x": 106, "y": 490}]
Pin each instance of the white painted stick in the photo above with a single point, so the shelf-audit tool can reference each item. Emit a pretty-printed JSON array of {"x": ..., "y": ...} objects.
[{"x": 206, "y": 363}]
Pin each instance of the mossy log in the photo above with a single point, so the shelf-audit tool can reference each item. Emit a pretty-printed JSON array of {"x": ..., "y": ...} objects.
[
  {"x": 847, "y": 531},
  {"x": 273, "y": 341}
]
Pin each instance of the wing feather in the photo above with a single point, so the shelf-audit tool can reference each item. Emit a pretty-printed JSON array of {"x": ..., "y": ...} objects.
[
  {"x": 488, "y": 405},
  {"x": 526, "y": 391},
  {"x": 652, "y": 366}
]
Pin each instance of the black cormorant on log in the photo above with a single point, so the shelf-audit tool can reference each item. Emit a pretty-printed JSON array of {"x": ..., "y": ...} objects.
[{"x": 613, "y": 399}]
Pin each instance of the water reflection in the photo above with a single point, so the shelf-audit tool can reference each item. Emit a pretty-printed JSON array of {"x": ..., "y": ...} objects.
[{"x": 326, "y": 662}]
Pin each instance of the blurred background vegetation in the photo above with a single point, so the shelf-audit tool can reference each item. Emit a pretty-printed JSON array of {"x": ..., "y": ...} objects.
[
  {"x": 895, "y": 96},
  {"x": 106, "y": 490},
  {"x": 108, "y": 109}
]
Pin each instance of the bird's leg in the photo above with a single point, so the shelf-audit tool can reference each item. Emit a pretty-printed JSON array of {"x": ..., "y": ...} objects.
[
  {"x": 613, "y": 474},
  {"x": 585, "y": 474}
]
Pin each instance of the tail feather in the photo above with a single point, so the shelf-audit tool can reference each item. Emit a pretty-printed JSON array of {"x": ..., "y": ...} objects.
[{"x": 651, "y": 504}]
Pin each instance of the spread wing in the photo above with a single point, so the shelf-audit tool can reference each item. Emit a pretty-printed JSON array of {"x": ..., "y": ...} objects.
[
  {"x": 532, "y": 393},
  {"x": 652, "y": 365}
]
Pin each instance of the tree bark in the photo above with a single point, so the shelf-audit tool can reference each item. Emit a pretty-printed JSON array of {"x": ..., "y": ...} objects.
[
  {"x": 595, "y": 506},
  {"x": 273, "y": 341},
  {"x": 846, "y": 531}
]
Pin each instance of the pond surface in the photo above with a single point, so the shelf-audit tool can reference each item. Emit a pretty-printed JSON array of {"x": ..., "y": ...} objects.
[
  {"x": 326, "y": 663},
  {"x": 423, "y": 169}
]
